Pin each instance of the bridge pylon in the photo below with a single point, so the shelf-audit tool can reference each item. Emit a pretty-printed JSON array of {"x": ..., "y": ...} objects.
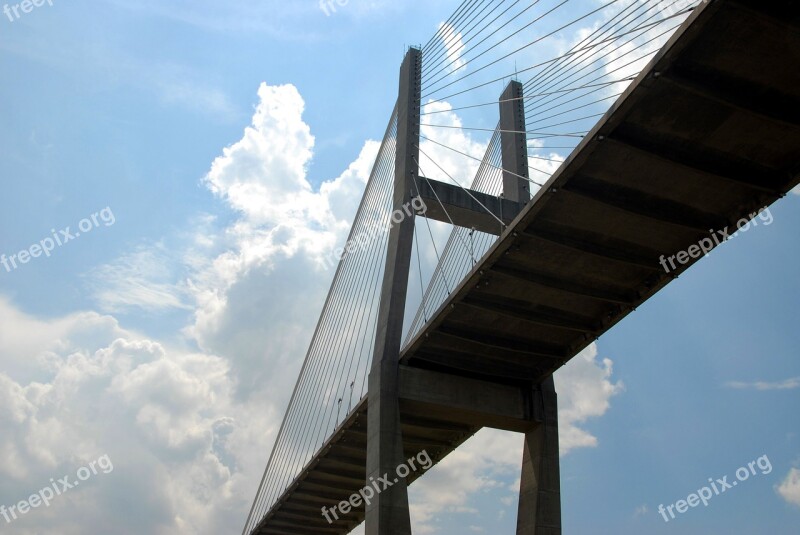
[
  {"x": 539, "y": 503},
  {"x": 388, "y": 512},
  {"x": 539, "y": 510}
]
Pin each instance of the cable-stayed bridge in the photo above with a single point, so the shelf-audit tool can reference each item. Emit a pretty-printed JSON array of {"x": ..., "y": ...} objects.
[{"x": 559, "y": 229}]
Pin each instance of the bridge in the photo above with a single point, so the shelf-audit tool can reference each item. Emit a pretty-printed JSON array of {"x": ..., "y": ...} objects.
[{"x": 543, "y": 255}]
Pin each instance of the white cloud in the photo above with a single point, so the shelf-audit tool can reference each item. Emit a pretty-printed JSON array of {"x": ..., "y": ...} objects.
[
  {"x": 789, "y": 489},
  {"x": 453, "y": 43},
  {"x": 165, "y": 416},
  {"x": 284, "y": 230},
  {"x": 141, "y": 279},
  {"x": 265, "y": 170},
  {"x": 29, "y": 357},
  {"x": 584, "y": 390},
  {"x": 788, "y": 384},
  {"x": 444, "y": 127},
  {"x": 796, "y": 190}
]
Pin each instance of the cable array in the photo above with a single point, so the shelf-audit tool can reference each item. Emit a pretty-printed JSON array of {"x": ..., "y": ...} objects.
[
  {"x": 563, "y": 97},
  {"x": 566, "y": 90},
  {"x": 333, "y": 378},
  {"x": 464, "y": 246}
]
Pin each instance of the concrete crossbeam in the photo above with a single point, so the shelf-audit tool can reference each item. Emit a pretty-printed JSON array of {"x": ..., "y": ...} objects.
[
  {"x": 469, "y": 401},
  {"x": 466, "y": 208}
]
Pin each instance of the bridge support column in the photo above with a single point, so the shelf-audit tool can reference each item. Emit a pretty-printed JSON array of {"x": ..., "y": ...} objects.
[
  {"x": 539, "y": 510},
  {"x": 514, "y": 144},
  {"x": 387, "y": 513}
]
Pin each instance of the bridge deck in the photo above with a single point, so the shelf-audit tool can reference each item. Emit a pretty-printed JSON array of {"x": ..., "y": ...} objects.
[{"x": 708, "y": 134}]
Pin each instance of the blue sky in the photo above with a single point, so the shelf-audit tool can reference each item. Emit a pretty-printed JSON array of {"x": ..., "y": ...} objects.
[{"x": 167, "y": 339}]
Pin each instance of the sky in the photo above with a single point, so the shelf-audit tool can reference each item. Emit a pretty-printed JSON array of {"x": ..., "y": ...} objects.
[{"x": 194, "y": 163}]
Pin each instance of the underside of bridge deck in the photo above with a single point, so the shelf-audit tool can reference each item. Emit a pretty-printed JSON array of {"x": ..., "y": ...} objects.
[
  {"x": 339, "y": 470},
  {"x": 706, "y": 136}
]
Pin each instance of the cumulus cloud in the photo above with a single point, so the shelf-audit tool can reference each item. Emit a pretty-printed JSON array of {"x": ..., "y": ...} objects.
[
  {"x": 227, "y": 275},
  {"x": 284, "y": 231},
  {"x": 265, "y": 171},
  {"x": 29, "y": 357},
  {"x": 789, "y": 489},
  {"x": 163, "y": 415},
  {"x": 585, "y": 390}
]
